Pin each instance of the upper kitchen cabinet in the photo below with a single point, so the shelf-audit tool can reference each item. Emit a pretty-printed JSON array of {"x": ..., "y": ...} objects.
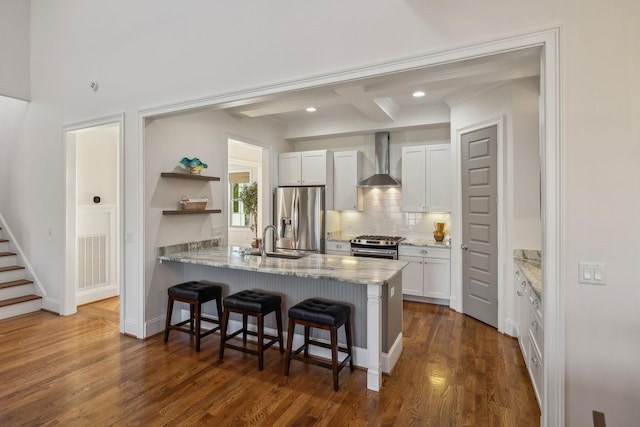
[
  {"x": 305, "y": 168},
  {"x": 346, "y": 176},
  {"x": 426, "y": 178}
]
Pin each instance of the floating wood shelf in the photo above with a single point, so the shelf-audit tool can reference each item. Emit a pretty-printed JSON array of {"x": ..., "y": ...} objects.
[
  {"x": 204, "y": 211},
  {"x": 187, "y": 176}
]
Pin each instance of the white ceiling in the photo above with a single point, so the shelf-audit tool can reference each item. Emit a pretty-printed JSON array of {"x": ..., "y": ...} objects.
[{"x": 385, "y": 102}]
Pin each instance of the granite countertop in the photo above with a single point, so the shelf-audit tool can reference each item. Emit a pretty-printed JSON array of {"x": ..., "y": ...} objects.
[
  {"x": 424, "y": 242},
  {"x": 367, "y": 271},
  {"x": 529, "y": 262}
]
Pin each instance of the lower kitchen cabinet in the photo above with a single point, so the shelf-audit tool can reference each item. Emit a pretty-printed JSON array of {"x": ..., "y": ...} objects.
[
  {"x": 428, "y": 274},
  {"x": 337, "y": 248},
  {"x": 530, "y": 331}
]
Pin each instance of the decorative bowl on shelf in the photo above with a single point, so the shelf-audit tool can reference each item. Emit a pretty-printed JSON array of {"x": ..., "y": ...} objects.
[
  {"x": 188, "y": 204},
  {"x": 194, "y": 166}
]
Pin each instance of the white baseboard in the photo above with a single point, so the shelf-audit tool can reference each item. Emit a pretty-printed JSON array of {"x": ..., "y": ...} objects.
[
  {"x": 51, "y": 304},
  {"x": 390, "y": 359},
  {"x": 96, "y": 294},
  {"x": 130, "y": 327},
  {"x": 510, "y": 328}
]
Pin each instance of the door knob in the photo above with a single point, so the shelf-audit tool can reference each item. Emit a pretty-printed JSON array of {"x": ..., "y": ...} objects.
[{"x": 464, "y": 247}]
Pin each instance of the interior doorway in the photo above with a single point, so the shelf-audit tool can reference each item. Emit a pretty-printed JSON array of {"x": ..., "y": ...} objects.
[
  {"x": 94, "y": 251},
  {"x": 244, "y": 168}
]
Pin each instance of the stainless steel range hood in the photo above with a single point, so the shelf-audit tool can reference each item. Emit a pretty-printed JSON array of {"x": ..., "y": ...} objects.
[{"x": 381, "y": 177}]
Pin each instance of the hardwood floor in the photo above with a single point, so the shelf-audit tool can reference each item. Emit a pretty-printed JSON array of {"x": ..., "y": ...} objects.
[{"x": 78, "y": 370}]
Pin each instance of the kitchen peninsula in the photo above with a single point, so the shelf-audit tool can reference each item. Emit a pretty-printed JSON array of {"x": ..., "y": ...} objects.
[{"x": 372, "y": 287}]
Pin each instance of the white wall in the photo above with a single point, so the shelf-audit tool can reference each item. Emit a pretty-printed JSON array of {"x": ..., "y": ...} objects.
[
  {"x": 97, "y": 164},
  {"x": 12, "y": 113},
  {"x": 527, "y": 225},
  {"x": 163, "y": 52},
  {"x": 202, "y": 134},
  {"x": 15, "y": 28}
]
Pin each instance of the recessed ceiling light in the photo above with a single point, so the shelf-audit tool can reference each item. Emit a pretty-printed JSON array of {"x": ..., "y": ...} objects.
[
  {"x": 311, "y": 109},
  {"x": 418, "y": 94}
]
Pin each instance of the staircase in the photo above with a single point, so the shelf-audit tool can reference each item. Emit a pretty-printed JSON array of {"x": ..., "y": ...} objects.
[{"x": 16, "y": 291}]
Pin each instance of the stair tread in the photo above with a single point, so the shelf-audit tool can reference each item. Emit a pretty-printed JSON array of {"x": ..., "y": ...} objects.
[
  {"x": 15, "y": 283},
  {"x": 18, "y": 300},
  {"x": 7, "y": 253},
  {"x": 11, "y": 268}
]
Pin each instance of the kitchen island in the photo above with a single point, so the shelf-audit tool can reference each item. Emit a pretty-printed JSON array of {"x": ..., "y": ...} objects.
[{"x": 372, "y": 287}]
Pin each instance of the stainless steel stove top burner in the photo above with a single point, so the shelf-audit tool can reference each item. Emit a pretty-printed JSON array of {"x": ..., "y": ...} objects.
[{"x": 374, "y": 240}]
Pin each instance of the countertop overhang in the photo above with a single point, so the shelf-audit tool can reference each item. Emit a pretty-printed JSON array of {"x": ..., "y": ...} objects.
[{"x": 366, "y": 271}]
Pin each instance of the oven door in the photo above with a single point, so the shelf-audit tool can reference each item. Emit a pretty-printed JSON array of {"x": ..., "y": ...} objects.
[{"x": 374, "y": 253}]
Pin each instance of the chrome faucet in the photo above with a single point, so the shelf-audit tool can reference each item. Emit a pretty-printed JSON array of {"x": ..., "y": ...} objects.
[{"x": 264, "y": 238}]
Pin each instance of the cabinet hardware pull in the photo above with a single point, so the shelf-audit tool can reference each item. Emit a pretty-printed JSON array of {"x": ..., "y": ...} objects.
[
  {"x": 534, "y": 324},
  {"x": 535, "y": 303},
  {"x": 519, "y": 293},
  {"x": 535, "y": 360}
]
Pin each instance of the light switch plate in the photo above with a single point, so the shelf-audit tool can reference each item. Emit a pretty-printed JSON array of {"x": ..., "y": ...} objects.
[{"x": 592, "y": 273}]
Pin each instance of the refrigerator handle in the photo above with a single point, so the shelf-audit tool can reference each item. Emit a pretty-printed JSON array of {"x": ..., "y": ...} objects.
[{"x": 295, "y": 213}]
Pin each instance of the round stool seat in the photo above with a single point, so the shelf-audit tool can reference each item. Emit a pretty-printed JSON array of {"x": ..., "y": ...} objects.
[
  {"x": 318, "y": 311},
  {"x": 196, "y": 291},
  {"x": 253, "y": 301}
]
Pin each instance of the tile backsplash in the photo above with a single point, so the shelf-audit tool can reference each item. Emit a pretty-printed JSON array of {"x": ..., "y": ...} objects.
[{"x": 383, "y": 214}]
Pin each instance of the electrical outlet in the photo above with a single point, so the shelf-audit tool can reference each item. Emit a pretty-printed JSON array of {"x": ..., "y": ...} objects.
[
  {"x": 128, "y": 237},
  {"x": 393, "y": 290}
]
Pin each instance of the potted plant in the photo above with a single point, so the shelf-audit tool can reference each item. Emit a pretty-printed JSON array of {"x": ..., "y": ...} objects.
[{"x": 249, "y": 199}]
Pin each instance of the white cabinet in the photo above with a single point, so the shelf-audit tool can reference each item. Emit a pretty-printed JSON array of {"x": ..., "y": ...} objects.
[
  {"x": 338, "y": 248},
  {"x": 530, "y": 331},
  {"x": 426, "y": 178},
  {"x": 428, "y": 273},
  {"x": 346, "y": 176},
  {"x": 305, "y": 168}
]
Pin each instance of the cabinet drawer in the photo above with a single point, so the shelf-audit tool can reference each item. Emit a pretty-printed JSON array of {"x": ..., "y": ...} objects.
[
  {"x": 536, "y": 331},
  {"x": 424, "y": 251},
  {"x": 535, "y": 370},
  {"x": 343, "y": 247}
]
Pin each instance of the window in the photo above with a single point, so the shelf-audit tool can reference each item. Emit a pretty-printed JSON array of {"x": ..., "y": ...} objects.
[{"x": 238, "y": 181}]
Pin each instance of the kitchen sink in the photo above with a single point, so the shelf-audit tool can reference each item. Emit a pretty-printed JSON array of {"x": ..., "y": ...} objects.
[{"x": 285, "y": 255}]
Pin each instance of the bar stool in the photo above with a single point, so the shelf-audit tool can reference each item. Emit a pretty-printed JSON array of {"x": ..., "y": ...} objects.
[
  {"x": 327, "y": 315},
  {"x": 251, "y": 303},
  {"x": 195, "y": 294}
]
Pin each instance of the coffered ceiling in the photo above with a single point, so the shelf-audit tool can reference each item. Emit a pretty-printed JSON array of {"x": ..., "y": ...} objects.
[{"x": 386, "y": 101}]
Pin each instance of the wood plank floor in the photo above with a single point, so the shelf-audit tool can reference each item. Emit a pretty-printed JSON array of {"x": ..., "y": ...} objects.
[{"x": 79, "y": 371}]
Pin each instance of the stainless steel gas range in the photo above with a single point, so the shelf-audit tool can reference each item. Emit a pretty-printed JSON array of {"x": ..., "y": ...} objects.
[{"x": 376, "y": 246}]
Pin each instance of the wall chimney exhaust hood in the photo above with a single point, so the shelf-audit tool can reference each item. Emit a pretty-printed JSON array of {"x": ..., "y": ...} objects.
[{"x": 381, "y": 177}]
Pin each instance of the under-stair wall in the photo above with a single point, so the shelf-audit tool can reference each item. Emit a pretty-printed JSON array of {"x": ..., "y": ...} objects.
[{"x": 19, "y": 292}]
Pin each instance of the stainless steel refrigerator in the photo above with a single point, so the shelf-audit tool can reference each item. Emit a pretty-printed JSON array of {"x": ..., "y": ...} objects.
[{"x": 299, "y": 217}]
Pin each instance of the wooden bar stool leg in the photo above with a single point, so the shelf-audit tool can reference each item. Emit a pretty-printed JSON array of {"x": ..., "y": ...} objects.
[
  {"x": 279, "y": 325},
  {"x": 168, "y": 321},
  {"x": 219, "y": 308},
  {"x": 191, "y": 317},
  {"x": 334, "y": 356},
  {"x": 347, "y": 326},
  {"x": 244, "y": 329},
  {"x": 287, "y": 360},
  {"x": 307, "y": 330},
  {"x": 260, "y": 341},
  {"x": 223, "y": 332},
  {"x": 198, "y": 308}
]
